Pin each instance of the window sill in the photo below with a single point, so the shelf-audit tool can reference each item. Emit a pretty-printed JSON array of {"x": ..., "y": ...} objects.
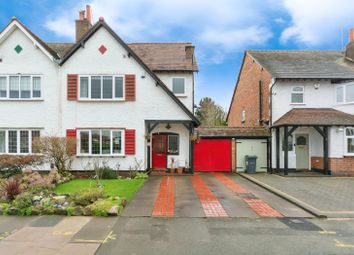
[
  {"x": 101, "y": 100},
  {"x": 21, "y": 99},
  {"x": 181, "y": 96},
  {"x": 348, "y": 155},
  {"x": 100, "y": 156},
  {"x": 297, "y": 103},
  {"x": 350, "y": 103}
]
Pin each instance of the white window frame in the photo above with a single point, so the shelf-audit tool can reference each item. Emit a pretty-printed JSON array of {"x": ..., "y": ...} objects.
[
  {"x": 346, "y": 137},
  {"x": 31, "y": 98},
  {"x": 297, "y": 92},
  {"x": 344, "y": 86},
  {"x": 185, "y": 87},
  {"x": 89, "y": 76},
  {"x": 111, "y": 154},
  {"x": 18, "y": 142}
]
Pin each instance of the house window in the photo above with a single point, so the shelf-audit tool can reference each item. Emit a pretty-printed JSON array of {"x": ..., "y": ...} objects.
[
  {"x": 179, "y": 86},
  {"x": 173, "y": 144},
  {"x": 98, "y": 87},
  {"x": 297, "y": 95},
  {"x": 350, "y": 140},
  {"x": 20, "y": 87},
  {"x": 290, "y": 143},
  {"x": 18, "y": 141},
  {"x": 345, "y": 93},
  {"x": 101, "y": 142}
]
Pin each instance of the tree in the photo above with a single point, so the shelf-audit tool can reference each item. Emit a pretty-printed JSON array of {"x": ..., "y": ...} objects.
[
  {"x": 57, "y": 150},
  {"x": 210, "y": 114}
]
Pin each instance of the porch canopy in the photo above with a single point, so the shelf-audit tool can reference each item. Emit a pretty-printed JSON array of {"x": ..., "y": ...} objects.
[{"x": 318, "y": 118}]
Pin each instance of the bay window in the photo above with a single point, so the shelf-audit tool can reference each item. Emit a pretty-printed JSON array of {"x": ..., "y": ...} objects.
[
  {"x": 101, "y": 87},
  {"x": 20, "y": 87},
  {"x": 18, "y": 141},
  {"x": 101, "y": 142},
  {"x": 349, "y": 137},
  {"x": 345, "y": 93}
]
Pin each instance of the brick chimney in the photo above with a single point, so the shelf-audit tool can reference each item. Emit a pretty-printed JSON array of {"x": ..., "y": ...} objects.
[
  {"x": 349, "y": 51},
  {"x": 189, "y": 51},
  {"x": 84, "y": 23}
]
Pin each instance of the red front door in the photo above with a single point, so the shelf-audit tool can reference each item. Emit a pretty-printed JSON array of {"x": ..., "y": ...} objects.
[{"x": 159, "y": 151}]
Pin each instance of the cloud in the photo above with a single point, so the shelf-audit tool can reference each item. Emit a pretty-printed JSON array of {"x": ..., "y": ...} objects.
[
  {"x": 216, "y": 27},
  {"x": 317, "y": 22}
]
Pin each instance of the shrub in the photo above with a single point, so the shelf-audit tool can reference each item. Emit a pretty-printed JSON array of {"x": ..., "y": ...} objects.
[
  {"x": 70, "y": 210},
  {"x": 4, "y": 207},
  {"x": 11, "y": 164},
  {"x": 36, "y": 181},
  {"x": 87, "y": 197},
  {"x": 23, "y": 202},
  {"x": 141, "y": 176},
  {"x": 11, "y": 188},
  {"x": 108, "y": 173}
]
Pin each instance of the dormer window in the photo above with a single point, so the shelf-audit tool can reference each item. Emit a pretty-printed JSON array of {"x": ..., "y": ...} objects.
[
  {"x": 20, "y": 87},
  {"x": 179, "y": 86},
  {"x": 297, "y": 95}
]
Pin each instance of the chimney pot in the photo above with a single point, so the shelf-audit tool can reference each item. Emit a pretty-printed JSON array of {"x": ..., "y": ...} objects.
[
  {"x": 88, "y": 13},
  {"x": 82, "y": 15},
  {"x": 349, "y": 51},
  {"x": 351, "y": 35}
]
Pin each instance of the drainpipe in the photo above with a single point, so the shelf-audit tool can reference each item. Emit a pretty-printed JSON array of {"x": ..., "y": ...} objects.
[{"x": 273, "y": 81}]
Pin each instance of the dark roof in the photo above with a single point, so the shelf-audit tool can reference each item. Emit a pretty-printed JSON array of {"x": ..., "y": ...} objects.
[
  {"x": 60, "y": 48},
  {"x": 131, "y": 53},
  {"x": 315, "y": 116},
  {"x": 165, "y": 56},
  {"x": 239, "y": 132},
  {"x": 299, "y": 64}
]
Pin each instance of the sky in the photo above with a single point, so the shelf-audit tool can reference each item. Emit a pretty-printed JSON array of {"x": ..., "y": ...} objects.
[{"x": 220, "y": 30}]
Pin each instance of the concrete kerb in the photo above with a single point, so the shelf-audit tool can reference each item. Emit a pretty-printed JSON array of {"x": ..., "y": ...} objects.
[{"x": 310, "y": 209}]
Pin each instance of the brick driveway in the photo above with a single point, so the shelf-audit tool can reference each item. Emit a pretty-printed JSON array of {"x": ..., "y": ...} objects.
[
  {"x": 332, "y": 196},
  {"x": 208, "y": 195}
]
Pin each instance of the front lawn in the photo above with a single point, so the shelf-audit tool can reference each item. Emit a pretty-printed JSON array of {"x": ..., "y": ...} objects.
[{"x": 124, "y": 188}]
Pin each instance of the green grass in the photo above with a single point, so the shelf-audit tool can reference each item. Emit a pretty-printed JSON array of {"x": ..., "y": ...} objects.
[{"x": 122, "y": 188}]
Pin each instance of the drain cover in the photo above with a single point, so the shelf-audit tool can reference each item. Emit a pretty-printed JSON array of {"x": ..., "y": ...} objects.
[{"x": 300, "y": 224}]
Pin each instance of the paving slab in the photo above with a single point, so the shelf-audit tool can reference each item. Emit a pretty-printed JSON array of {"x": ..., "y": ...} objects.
[
  {"x": 233, "y": 204},
  {"x": 186, "y": 201},
  {"x": 69, "y": 226},
  {"x": 144, "y": 199},
  {"x": 47, "y": 221},
  {"x": 286, "y": 208},
  {"x": 79, "y": 249},
  {"x": 95, "y": 231},
  {"x": 11, "y": 224}
]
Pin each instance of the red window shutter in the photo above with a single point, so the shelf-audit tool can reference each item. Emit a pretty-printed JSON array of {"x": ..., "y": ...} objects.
[
  {"x": 130, "y": 142},
  {"x": 72, "y": 80},
  {"x": 71, "y": 140},
  {"x": 130, "y": 87}
]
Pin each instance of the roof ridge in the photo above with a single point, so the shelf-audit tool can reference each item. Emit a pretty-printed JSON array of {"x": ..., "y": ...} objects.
[
  {"x": 293, "y": 50},
  {"x": 159, "y": 43}
]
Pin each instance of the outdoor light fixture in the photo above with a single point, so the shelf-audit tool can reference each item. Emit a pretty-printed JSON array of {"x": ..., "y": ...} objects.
[
  {"x": 168, "y": 126},
  {"x": 340, "y": 129},
  {"x": 316, "y": 85}
]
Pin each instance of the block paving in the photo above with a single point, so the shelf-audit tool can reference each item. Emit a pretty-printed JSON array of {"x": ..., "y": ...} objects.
[{"x": 164, "y": 204}]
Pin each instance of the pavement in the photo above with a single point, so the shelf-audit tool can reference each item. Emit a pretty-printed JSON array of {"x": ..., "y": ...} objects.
[
  {"x": 202, "y": 214},
  {"x": 330, "y": 197}
]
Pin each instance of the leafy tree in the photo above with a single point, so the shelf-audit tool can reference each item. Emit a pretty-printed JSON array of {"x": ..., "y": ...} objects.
[{"x": 210, "y": 114}]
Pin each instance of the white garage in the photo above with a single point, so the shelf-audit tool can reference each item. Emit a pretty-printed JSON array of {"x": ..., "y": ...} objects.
[{"x": 251, "y": 147}]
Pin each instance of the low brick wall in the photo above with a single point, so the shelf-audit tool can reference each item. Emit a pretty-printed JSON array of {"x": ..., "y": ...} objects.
[{"x": 338, "y": 166}]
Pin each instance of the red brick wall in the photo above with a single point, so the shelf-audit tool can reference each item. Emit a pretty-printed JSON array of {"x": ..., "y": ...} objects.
[
  {"x": 246, "y": 97},
  {"x": 338, "y": 166}
]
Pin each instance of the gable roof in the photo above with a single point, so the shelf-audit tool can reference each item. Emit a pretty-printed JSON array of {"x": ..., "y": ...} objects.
[
  {"x": 302, "y": 64},
  {"x": 42, "y": 45},
  {"x": 131, "y": 53},
  {"x": 165, "y": 56},
  {"x": 315, "y": 116}
]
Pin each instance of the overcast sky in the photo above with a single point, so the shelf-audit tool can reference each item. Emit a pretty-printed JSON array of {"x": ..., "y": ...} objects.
[{"x": 220, "y": 29}]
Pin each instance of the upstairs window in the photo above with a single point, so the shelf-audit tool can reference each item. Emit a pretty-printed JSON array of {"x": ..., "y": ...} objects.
[
  {"x": 20, "y": 87},
  {"x": 99, "y": 87},
  {"x": 179, "y": 86},
  {"x": 297, "y": 95},
  {"x": 345, "y": 93},
  {"x": 349, "y": 135}
]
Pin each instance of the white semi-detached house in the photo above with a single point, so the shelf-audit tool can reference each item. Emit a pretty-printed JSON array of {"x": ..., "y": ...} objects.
[{"x": 122, "y": 102}]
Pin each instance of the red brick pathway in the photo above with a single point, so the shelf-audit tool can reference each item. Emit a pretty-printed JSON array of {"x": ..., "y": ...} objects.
[
  {"x": 230, "y": 184},
  {"x": 257, "y": 205},
  {"x": 211, "y": 205},
  {"x": 165, "y": 201}
]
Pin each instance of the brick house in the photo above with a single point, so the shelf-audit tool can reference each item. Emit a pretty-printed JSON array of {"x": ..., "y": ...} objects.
[
  {"x": 305, "y": 99},
  {"x": 121, "y": 102}
]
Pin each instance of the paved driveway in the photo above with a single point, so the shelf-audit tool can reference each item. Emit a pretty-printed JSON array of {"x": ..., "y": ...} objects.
[
  {"x": 208, "y": 195},
  {"x": 330, "y": 196}
]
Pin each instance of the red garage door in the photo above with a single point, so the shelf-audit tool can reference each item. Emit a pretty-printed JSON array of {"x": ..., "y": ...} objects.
[{"x": 212, "y": 155}]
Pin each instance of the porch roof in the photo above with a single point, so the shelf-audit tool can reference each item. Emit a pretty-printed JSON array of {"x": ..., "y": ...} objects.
[
  {"x": 315, "y": 117},
  {"x": 232, "y": 132}
]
